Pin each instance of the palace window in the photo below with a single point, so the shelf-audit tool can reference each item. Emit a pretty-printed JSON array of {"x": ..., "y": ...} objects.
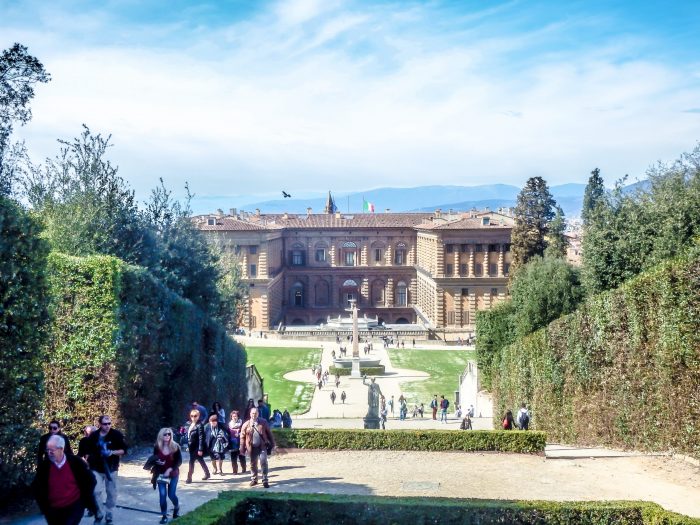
[
  {"x": 400, "y": 254},
  {"x": 493, "y": 269},
  {"x": 506, "y": 268},
  {"x": 493, "y": 247},
  {"x": 298, "y": 256},
  {"x": 462, "y": 269},
  {"x": 349, "y": 250},
  {"x": 253, "y": 270},
  {"x": 320, "y": 255},
  {"x": 448, "y": 269},
  {"x": 378, "y": 255},
  {"x": 464, "y": 248},
  {"x": 494, "y": 292},
  {"x": 478, "y": 248},
  {"x": 401, "y": 294},
  {"x": 449, "y": 248},
  {"x": 252, "y": 250},
  {"x": 477, "y": 269}
]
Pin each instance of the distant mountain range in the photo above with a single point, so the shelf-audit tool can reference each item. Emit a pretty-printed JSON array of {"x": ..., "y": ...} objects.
[{"x": 422, "y": 198}]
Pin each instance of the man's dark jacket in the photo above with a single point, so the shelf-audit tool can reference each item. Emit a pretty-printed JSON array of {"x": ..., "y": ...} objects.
[
  {"x": 83, "y": 476},
  {"x": 114, "y": 441}
]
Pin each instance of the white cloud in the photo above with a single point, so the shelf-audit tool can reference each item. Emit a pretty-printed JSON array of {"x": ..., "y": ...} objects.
[{"x": 345, "y": 99}]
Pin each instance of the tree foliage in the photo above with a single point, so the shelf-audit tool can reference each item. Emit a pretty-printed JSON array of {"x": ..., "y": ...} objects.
[
  {"x": 23, "y": 331},
  {"x": 19, "y": 73},
  {"x": 556, "y": 239},
  {"x": 627, "y": 233},
  {"x": 534, "y": 212},
  {"x": 593, "y": 195}
]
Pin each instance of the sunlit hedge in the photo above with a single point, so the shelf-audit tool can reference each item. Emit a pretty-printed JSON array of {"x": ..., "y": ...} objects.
[
  {"x": 125, "y": 345},
  {"x": 624, "y": 370}
]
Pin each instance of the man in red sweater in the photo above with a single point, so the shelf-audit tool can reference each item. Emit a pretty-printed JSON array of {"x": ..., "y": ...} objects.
[{"x": 63, "y": 485}]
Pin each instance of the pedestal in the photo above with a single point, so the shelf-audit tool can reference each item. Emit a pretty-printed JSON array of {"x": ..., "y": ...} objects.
[
  {"x": 371, "y": 422},
  {"x": 355, "y": 372}
]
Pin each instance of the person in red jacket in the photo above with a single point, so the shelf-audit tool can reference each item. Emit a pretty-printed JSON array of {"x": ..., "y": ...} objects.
[{"x": 63, "y": 485}]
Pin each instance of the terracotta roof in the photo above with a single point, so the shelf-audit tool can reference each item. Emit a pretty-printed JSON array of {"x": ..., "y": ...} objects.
[
  {"x": 464, "y": 223},
  {"x": 313, "y": 221}
]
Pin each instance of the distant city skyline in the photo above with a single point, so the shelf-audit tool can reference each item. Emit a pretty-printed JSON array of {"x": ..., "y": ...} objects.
[{"x": 250, "y": 98}]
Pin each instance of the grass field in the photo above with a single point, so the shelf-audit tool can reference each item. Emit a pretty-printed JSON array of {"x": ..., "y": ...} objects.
[
  {"x": 273, "y": 363},
  {"x": 444, "y": 367}
]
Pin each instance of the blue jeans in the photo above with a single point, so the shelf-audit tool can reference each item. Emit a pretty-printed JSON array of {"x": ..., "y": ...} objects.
[
  {"x": 443, "y": 415},
  {"x": 168, "y": 489}
]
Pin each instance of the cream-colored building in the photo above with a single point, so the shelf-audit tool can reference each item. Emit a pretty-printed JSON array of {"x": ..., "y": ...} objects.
[{"x": 430, "y": 268}]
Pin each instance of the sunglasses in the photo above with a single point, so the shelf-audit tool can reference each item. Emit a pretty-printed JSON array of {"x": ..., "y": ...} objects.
[
  {"x": 107, "y": 424},
  {"x": 167, "y": 434},
  {"x": 53, "y": 428}
]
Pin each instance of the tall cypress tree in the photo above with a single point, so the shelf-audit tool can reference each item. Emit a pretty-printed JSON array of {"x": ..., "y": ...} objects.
[
  {"x": 556, "y": 240},
  {"x": 534, "y": 212},
  {"x": 594, "y": 195}
]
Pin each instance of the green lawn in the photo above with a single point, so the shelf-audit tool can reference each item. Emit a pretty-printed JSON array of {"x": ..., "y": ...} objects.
[
  {"x": 444, "y": 367},
  {"x": 273, "y": 363}
]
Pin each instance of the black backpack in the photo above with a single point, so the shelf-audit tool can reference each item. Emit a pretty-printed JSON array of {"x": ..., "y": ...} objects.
[{"x": 524, "y": 420}]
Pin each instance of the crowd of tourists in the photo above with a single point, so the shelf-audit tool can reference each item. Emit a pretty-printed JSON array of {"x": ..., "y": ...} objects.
[{"x": 69, "y": 483}]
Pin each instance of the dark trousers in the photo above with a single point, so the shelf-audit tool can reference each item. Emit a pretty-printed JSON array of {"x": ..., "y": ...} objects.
[
  {"x": 434, "y": 413},
  {"x": 241, "y": 458},
  {"x": 70, "y": 515},
  {"x": 255, "y": 454},
  {"x": 199, "y": 459}
]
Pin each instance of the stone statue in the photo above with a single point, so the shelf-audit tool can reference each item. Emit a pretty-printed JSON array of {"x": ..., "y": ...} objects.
[{"x": 374, "y": 393}]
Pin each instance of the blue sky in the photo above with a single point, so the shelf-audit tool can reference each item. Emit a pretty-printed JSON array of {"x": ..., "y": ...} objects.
[{"x": 245, "y": 98}]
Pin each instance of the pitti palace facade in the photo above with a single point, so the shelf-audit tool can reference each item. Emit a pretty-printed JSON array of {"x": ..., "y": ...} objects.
[{"x": 432, "y": 269}]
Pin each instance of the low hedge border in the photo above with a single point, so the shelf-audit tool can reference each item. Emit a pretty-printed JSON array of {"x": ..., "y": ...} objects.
[
  {"x": 248, "y": 507},
  {"x": 364, "y": 370},
  {"x": 531, "y": 442}
]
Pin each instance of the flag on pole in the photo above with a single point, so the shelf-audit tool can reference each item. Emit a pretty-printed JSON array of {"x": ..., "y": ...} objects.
[{"x": 367, "y": 206}]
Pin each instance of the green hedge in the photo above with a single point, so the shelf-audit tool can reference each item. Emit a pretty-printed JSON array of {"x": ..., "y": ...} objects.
[
  {"x": 624, "y": 370},
  {"x": 364, "y": 370},
  {"x": 24, "y": 323},
  {"x": 247, "y": 507},
  {"x": 125, "y": 345},
  {"x": 431, "y": 440}
]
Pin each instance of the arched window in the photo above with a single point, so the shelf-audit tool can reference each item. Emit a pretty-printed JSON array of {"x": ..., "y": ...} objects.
[
  {"x": 297, "y": 256},
  {"x": 378, "y": 249},
  {"x": 297, "y": 298},
  {"x": 377, "y": 293},
  {"x": 323, "y": 295},
  {"x": 349, "y": 292},
  {"x": 401, "y": 294},
  {"x": 400, "y": 254},
  {"x": 349, "y": 253}
]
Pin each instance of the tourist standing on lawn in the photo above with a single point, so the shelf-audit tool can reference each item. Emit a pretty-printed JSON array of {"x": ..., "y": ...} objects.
[
  {"x": 167, "y": 469},
  {"x": 444, "y": 403},
  {"x": 63, "y": 485},
  {"x": 234, "y": 428},
  {"x": 105, "y": 447},
  {"x": 257, "y": 442},
  {"x": 216, "y": 439},
  {"x": 196, "y": 445},
  {"x": 287, "y": 418}
]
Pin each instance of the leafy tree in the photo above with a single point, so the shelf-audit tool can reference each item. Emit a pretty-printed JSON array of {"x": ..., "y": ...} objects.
[
  {"x": 593, "y": 195},
  {"x": 23, "y": 330},
  {"x": 534, "y": 211},
  {"x": 543, "y": 290},
  {"x": 19, "y": 73},
  {"x": 556, "y": 239}
]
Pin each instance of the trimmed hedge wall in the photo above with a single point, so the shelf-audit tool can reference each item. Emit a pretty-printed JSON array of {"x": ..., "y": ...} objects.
[
  {"x": 430, "y": 440},
  {"x": 247, "y": 507},
  {"x": 364, "y": 370},
  {"x": 624, "y": 370},
  {"x": 125, "y": 345}
]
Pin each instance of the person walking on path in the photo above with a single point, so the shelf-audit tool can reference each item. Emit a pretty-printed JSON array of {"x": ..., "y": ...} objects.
[
  {"x": 257, "y": 442},
  {"x": 383, "y": 415},
  {"x": 216, "y": 441},
  {"x": 523, "y": 417},
  {"x": 167, "y": 472},
  {"x": 343, "y": 396},
  {"x": 196, "y": 446},
  {"x": 234, "y": 428},
  {"x": 105, "y": 447},
  {"x": 63, "y": 485},
  {"x": 333, "y": 397},
  {"x": 444, "y": 403},
  {"x": 508, "y": 421},
  {"x": 54, "y": 430},
  {"x": 434, "y": 406}
]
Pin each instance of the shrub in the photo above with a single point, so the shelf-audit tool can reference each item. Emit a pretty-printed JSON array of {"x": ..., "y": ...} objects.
[
  {"x": 246, "y": 507},
  {"x": 23, "y": 328},
  {"x": 432, "y": 440},
  {"x": 364, "y": 370},
  {"x": 125, "y": 345},
  {"x": 624, "y": 370}
]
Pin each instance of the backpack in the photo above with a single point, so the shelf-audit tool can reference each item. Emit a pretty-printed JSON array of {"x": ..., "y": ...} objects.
[
  {"x": 505, "y": 423},
  {"x": 524, "y": 420}
]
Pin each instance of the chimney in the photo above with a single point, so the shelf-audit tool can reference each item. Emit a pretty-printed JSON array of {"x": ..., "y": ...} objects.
[
  {"x": 438, "y": 213},
  {"x": 285, "y": 216},
  {"x": 257, "y": 212},
  {"x": 308, "y": 211}
]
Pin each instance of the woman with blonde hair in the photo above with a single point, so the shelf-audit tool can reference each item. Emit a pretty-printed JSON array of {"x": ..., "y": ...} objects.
[{"x": 169, "y": 459}]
